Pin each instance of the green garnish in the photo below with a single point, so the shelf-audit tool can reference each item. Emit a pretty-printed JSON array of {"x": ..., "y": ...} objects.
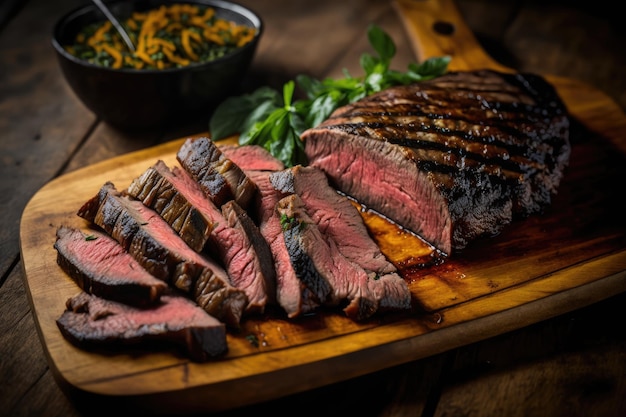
[
  {"x": 253, "y": 340},
  {"x": 288, "y": 223},
  {"x": 90, "y": 237},
  {"x": 276, "y": 122}
]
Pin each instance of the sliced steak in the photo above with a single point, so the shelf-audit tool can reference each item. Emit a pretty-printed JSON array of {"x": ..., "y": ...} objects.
[
  {"x": 329, "y": 275},
  {"x": 236, "y": 243},
  {"x": 248, "y": 257},
  {"x": 158, "y": 248},
  {"x": 100, "y": 266},
  {"x": 170, "y": 196},
  {"x": 451, "y": 159},
  {"x": 291, "y": 294},
  {"x": 338, "y": 219},
  {"x": 220, "y": 178},
  {"x": 94, "y": 322},
  {"x": 252, "y": 158}
]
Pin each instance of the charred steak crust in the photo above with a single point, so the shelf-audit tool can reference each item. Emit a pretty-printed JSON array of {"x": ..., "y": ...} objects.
[
  {"x": 219, "y": 177},
  {"x": 291, "y": 293},
  {"x": 92, "y": 322},
  {"x": 157, "y": 247},
  {"x": 100, "y": 266},
  {"x": 235, "y": 242},
  {"x": 332, "y": 278},
  {"x": 340, "y": 221},
  {"x": 170, "y": 196},
  {"x": 453, "y": 158}
]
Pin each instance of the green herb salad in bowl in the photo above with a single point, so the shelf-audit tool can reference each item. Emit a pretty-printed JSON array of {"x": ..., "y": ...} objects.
[{"x": 189, "y": 56}]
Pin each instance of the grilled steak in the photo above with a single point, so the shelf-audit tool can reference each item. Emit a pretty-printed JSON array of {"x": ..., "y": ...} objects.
[
  {"x": 179, "y": 205},
  {"x": 248, "y": 257},
  {"x": 100, "y": 266},
  {"x": 220, "y": 178},
  {"x": 332, "y": 278},
  {"x": 156, "y": 246},
  {"x": 93, "y": 322},
  {"x": 338, "y": 219},
  {"x": 236, "y": 243},
  {"x": 452, "y": 159},
  {"x": 291, "y": 293},
  {"x": 252, "y": 158}
]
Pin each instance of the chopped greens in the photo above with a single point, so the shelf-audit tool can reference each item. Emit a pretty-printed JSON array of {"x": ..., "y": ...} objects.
[
  {"x": 169, "y": 36},
  {"x": 276, "y": 122}
]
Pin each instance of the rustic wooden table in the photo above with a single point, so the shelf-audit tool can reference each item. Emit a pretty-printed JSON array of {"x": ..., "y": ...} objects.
[{"x": 571, "y": 365}]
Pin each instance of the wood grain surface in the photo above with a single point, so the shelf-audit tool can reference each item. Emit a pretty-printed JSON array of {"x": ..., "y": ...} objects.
[{"x": 569, "y": 257}]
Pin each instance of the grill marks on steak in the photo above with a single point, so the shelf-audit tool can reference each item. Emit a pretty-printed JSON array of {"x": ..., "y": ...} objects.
[
  {"x": 238, "y": 245},
  {"x": 339, "y": 221},
  {"x": 155, "y": 245},
  {"x": 233, "y": 237},
  {"x": 100, "y": 266},
  {"x": 220, "y": 178},
  {"x": 176, "y": 201},
  {"x": 92, "y": 322},
  {"x": 478, "y": 148}
]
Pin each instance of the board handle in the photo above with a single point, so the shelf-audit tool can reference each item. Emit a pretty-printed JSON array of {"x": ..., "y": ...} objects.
[{"x": 437, "y": 28}]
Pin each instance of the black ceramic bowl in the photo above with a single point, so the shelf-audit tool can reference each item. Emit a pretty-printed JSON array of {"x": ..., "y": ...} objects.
[{"x": 151, "y": 98}]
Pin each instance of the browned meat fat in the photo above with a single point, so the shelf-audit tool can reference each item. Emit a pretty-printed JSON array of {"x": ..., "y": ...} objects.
[
  {"x": 100, "y": 266},
  {"x": 452, "y": 159},
  {"x": 93, "y": 322}
]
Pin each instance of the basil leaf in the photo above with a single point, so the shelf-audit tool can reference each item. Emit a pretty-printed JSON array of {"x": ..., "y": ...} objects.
[
  {"x": 368, "y": 63},
  {"x": 382, "y": 44},
  {"x": 233, "y": 112},
  {"x": 267, "y": 119},
  {"x": 432, "y": 67},
  {"x": 323, "y": 106}
]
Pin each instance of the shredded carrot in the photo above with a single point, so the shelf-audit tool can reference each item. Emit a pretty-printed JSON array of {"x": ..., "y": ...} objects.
[
  {"x": 116, "y": 54},
  {"x": 176, "y": 59},
  {"x": 185, "y": 38}
]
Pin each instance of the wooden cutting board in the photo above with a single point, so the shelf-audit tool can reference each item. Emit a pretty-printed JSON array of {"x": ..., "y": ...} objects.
[{"x": 569, "y": 257}]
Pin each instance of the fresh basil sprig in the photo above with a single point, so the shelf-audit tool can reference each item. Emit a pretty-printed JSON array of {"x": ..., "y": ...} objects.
[{"x": 276, "y": 122}]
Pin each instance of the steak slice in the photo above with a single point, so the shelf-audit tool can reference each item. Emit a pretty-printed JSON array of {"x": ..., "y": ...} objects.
[
  {"x": 338, "y": 219},
  {"x": 331, "y": 277},
  {"x": 170, "y": 196},
  {"x": 452, "y": 159},
  {"x": 248, "y": 257},
  {"x": 252, "y": 158},
  {"x": 237, "y": 244},
  {"x": 219, "y": 178},
  {"x": 94, "y": 322},
  {"x": 291, "y": 294},
  {"x": 100, "y": 266},
  {"x": 158, "y": 248}
]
